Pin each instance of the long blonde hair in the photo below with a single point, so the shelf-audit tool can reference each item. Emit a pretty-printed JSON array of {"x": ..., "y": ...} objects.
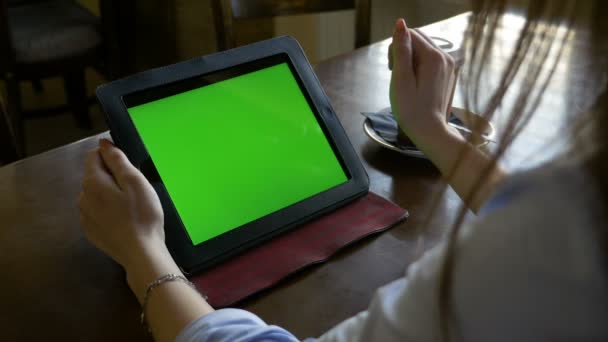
[{"x": 548, "y": 28}]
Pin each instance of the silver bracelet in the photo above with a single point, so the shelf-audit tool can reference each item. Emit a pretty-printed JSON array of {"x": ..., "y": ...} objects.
[{"x": 159, "y": 281}]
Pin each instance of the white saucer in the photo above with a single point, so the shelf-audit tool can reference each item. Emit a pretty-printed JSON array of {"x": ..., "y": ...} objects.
[{"x": 468, "y": 119}]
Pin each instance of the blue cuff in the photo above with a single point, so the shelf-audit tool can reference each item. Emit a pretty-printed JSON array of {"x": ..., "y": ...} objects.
[{"x": 232, "y": 325}]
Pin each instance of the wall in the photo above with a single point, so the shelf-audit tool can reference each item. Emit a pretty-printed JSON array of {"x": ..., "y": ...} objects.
[
  {"x": 91, "y": 5},
  {"x": 322, "y": 35},
  {"x": 329, "y": 34}
]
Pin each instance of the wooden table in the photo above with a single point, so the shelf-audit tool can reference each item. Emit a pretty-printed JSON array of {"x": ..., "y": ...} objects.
[{"x": 56, "y": 286}]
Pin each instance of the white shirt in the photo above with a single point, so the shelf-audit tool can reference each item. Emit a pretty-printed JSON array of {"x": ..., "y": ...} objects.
[{"x": 530, "y": 268}]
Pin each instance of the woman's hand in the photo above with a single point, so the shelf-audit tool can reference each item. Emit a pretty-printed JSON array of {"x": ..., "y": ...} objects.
[
  {"x": 421, "y": 90},
  {"x": 121, "y": 215},
  {"x": 119, "y": 210},
  {"x": 421, "y": 84}
]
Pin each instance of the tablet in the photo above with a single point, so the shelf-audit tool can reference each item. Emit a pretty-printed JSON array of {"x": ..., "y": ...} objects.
[{"x": 240, "y": 146}]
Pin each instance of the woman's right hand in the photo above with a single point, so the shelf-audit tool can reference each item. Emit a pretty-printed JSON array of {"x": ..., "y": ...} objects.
[
  {"x": 420, "y": 94},
  {"x": 421, "y": 82}
]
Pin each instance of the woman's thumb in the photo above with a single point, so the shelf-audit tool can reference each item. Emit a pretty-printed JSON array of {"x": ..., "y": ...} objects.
[{"x": 401, "y": 47}]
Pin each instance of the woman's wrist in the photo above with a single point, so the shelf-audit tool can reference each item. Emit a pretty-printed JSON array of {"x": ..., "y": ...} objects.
[
  {"x": 171, "y": 304},
  {"x": 441, "y": 145},
  {"x": 148, "y": 264},
  {"x": 463, "y": 165}
]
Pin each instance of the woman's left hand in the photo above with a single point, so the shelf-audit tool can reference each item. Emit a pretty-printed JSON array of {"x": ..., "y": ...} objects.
[{"x": 119, "y": 210}]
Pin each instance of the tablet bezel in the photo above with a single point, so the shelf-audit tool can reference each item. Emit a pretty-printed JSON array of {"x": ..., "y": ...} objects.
[{"x": 193, "y": 258}]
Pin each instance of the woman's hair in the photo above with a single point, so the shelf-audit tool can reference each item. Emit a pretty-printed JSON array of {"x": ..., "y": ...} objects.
[{"x": 549, "y": 29}]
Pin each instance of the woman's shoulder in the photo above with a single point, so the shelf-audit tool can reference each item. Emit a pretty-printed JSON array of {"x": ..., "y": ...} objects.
[
  {"x": 555, "y": 184},
  {"x": 533, "y": 257},
  {"x": 554, "y": 211}
]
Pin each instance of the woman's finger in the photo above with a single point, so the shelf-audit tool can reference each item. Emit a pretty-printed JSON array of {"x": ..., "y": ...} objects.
[
  {"x": 390, "y": 57},
  {"x": 426, "y": 38},
  {"x": 97, "y": 171},
  {"x": 91, "y": 230},
  {"x": 117, "y": 162},
  {"x": 420, "y": 45},
  {"x": 84, "y": 206},
  {"x": 85, "y": 220},
  {"x": 402, "y": 48},
  {"x": 431, "y": 42},
  {"x": 427, "y": 59}
]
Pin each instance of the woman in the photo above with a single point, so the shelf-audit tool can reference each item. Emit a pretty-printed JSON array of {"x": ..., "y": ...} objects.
[{"x": 532, "y": 267}]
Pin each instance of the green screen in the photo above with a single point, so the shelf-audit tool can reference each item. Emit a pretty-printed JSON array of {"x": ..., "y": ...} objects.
[{"x": 237, "y": 150}]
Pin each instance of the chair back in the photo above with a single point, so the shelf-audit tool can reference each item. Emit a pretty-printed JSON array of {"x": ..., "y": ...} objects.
[
  {"x": 9, "y": 150},
  {"x": 227, "y": 11},
  {"x": 6, "y": 48}
]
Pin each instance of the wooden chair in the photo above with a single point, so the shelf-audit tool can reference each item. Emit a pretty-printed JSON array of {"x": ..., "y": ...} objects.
[
  {"x": 9, "y": 150},
  {"x": 49, "y": 38},
  {"x": 226, "y": 12}
]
